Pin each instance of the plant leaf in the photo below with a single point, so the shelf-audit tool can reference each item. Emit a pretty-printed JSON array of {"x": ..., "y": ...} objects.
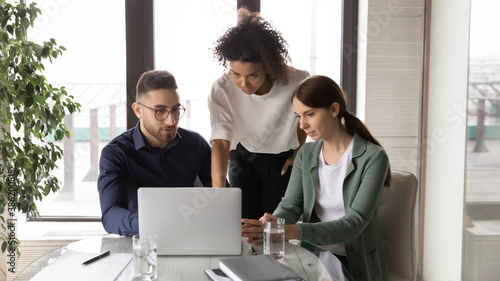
[
  {"x": 10, "y": 29},
  {"x": 29, "y": 102},
  {"x": 45, "y": 51}
]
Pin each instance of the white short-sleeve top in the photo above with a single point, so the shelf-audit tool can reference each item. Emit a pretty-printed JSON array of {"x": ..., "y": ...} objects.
[{"x": 262, "y": 124}]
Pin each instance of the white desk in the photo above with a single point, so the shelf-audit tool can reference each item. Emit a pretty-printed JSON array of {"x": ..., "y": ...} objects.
[{"x": 188, "y": 268}]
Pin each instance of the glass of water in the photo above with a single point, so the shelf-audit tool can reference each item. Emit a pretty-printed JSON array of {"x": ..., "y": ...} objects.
[
  {"x": 144, "y": 249},
  {"x": 274, "y": 238}
]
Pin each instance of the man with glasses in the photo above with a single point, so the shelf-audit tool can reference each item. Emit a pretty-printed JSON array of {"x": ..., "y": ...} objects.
[{"x": 156, "y": 152}]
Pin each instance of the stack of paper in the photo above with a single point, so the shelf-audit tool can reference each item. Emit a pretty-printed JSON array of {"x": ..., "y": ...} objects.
[{"x": 69, "y": 266}]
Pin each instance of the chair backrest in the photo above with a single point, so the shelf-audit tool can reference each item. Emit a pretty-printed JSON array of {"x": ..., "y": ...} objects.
[{"x": 396, "y": 219}]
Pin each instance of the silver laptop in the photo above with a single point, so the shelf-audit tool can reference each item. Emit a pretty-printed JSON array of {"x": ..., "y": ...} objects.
[{"x": 191, "y": 221}]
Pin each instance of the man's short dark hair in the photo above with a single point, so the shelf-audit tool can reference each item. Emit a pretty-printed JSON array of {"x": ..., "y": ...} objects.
[{"x": 154, "y": 80}]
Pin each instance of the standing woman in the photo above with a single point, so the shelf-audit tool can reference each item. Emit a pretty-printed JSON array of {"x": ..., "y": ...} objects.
[
  {"x": 336, "y": 183},
  {"x": 252, "y": 120}
]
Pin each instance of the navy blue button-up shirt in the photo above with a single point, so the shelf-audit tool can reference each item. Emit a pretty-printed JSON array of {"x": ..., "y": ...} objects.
[{"x": 128, "y": 163}]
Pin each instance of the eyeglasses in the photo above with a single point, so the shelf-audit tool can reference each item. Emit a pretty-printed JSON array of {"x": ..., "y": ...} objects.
[{"x": 162, "y": 114}]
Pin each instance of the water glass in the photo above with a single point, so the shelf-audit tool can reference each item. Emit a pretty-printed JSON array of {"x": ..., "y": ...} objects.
[
  {"x": 274, "y": 238},
  {"x": 144, "y": 249}
]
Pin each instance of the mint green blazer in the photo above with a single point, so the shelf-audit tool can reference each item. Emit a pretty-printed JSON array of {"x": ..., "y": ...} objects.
[{"x": 362, "y": 190}]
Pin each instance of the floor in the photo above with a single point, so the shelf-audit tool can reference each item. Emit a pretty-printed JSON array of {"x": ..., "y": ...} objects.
[
  {"x": 43, "y": 237},
  {"x": 32, "y": 250}
]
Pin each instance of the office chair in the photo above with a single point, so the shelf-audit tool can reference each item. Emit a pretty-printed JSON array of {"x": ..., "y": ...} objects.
[{"x": 396, "y": 219}]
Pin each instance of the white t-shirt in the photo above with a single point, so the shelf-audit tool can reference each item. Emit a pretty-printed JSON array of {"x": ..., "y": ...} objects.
[
  {"x": 329, "y": 203},
  {"x": 262, "y": 124}
]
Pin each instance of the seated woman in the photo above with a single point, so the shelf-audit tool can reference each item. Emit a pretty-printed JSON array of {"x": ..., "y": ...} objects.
[{"x": 336, "y": 183}]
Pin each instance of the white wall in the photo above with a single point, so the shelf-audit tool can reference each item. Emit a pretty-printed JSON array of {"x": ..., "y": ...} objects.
[{"x": 446, "y": 138}]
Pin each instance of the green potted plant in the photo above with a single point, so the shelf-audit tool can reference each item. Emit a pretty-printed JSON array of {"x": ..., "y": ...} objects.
[{"x": 31, "y": 115}]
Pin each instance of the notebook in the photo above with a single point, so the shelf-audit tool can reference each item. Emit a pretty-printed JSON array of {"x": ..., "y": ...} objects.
[
  {"x": 191, "y": 221},
  {"x": 257, "y": 268}
]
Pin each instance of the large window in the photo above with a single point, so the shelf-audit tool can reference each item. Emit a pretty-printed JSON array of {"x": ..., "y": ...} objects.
[
  {"x": 93, "y": 71},
  {"x": 312, "y": 30},
  {"x": 482, "y": 198},
  {"x": 102, "y": 52},
  {"x": 183, "y": 38}
]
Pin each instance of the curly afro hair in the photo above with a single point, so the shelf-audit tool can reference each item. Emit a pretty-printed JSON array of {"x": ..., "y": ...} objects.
[{"x": 254, "y": 39}]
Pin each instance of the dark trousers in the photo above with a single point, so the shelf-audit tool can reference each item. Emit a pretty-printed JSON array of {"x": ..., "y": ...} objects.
[{"x": 259, "y": 177}]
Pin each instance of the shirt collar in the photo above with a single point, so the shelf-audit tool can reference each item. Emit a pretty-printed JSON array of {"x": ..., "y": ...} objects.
[
  {"x": 137, "y": 136},
  {"x": 140, "y": 143}
]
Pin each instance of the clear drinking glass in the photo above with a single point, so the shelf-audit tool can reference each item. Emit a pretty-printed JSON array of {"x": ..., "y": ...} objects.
[
  {"x": 274, "y": 238},
  {"x": 144, "y": 249}
]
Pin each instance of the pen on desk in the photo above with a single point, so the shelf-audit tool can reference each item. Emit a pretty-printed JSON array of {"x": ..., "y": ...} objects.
[{"x": 96, "y": 258}]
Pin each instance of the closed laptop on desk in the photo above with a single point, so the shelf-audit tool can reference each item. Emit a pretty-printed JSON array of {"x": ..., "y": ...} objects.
[{"x": 191, "y": 221}]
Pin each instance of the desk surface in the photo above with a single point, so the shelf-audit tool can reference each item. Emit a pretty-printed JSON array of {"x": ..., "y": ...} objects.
[{"x": 300, "y": 260}]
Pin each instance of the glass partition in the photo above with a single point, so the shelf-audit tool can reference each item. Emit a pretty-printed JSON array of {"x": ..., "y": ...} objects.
[{"x": 482, "y": 199}]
